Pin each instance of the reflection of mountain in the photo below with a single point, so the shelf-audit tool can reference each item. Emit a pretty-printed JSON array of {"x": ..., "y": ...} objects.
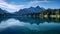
[
  {"x": 28, "y": 28},
  {"x": 33, "y": 20},
  {"x": 38, "y": 20},
  {"x": 24, "y": 30},
  {"x": 15, "y": 30}
]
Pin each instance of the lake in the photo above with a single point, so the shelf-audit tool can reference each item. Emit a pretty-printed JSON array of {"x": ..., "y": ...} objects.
[{"x": 29, "y": 25}]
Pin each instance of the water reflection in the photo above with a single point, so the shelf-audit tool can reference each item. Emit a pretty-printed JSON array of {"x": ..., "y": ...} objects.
[
  {"x": 32, "y": 25},
  {"x": 33, "y": 20}
]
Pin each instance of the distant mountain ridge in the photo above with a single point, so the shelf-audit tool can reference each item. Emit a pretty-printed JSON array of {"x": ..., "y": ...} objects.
[
  {"x": 25, "y": 10},
  {"x": 30, "y": 10},
  {"x": 3, "y": 11}
]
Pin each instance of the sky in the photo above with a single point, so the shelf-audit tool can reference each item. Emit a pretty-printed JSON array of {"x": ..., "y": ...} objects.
[{"x": 15, "y": 5}]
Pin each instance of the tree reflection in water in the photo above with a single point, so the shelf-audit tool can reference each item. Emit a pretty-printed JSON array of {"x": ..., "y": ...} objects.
[{"x": 29, "y": 25}]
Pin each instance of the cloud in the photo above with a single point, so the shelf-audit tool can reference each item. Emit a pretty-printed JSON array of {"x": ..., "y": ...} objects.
[
  {"x": 41, "y": 0},
  {"x": 35, "y": 2},
  {"x": 10, "y": 6},
  {"x": 9, "y": 23},
  {"x": 16, "y": 7},
  {"x": 13, "y": 22}
]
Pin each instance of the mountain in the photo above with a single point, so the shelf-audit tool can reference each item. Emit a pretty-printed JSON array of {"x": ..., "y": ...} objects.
[
  {"x": 3, "y": 11},
  {"x": 30, "y": 10}
]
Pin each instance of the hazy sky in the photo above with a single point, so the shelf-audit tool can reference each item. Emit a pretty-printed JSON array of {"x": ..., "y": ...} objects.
[{"x": 15, "y": 5}]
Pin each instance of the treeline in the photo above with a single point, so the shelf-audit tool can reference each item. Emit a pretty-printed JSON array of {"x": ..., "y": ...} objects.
[
  {"x": 46, "y": 13},
  {"x": 55, "y": 13},
  {"x": 43, "y": 13},
  {"x": 51, "y": 11}
]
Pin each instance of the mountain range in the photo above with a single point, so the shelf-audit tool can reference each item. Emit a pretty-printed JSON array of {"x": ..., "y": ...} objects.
[
  {"x": 30, "y": 10},
  {"x": 3, "y": 11}
]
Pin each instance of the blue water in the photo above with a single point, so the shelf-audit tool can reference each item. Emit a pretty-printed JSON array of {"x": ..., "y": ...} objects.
[{"x": 29, "y": 25}]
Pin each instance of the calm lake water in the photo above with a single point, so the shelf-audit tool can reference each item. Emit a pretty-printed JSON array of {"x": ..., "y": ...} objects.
[{"x": 29, "y": 25}]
